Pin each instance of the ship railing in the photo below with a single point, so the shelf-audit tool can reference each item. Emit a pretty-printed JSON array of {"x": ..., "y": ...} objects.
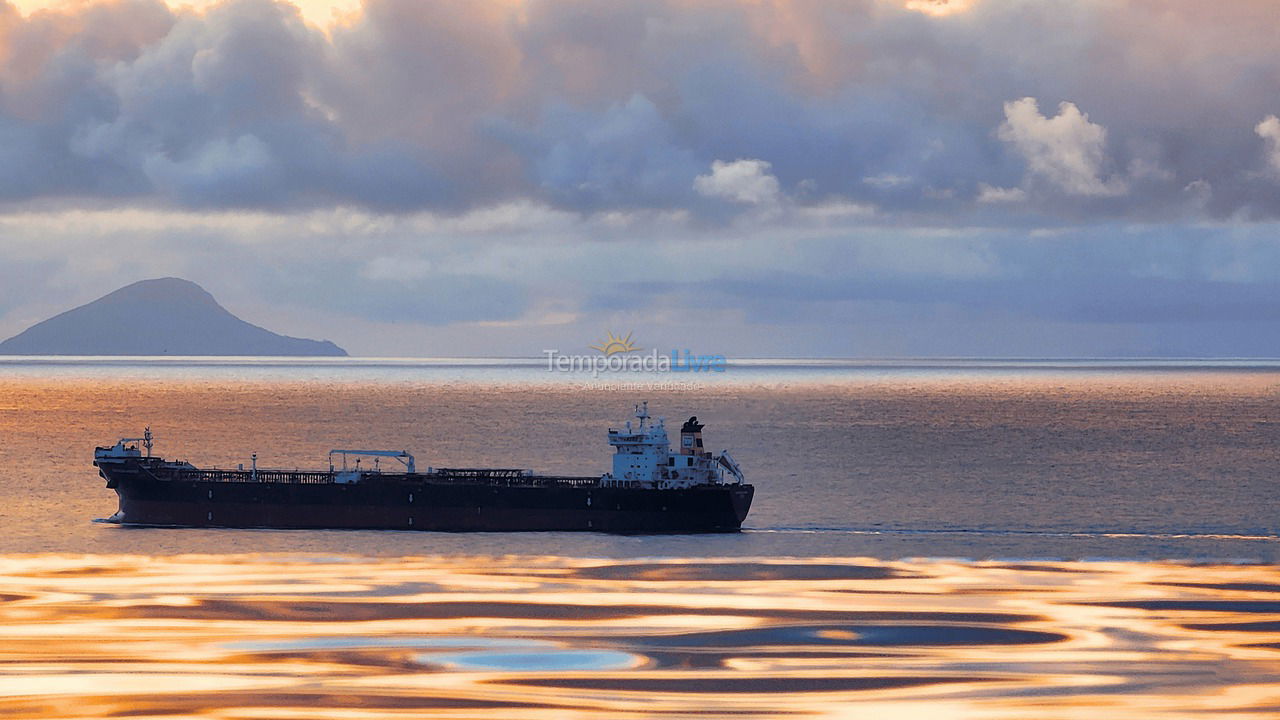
[
  {"x": 502, "y": 477},
  {"x": 462, "y": 476},
  {"x": 484, "y": 473},
  {"x": 297, "y": 477}
]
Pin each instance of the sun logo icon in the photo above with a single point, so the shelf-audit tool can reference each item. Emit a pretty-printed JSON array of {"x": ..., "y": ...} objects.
[{"x": 614, "y": 345}]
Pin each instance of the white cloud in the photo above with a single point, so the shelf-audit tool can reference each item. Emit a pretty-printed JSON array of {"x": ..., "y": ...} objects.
[
  {"x": 1066, "y": 150},
  {"x": 885, "y": 181},
  {"x": 742, "y": 181},
  {"x": 1269, "y": 131},
  {"x": 835, "y": 210},
  {"x": 939, "y": 8},
  {"x": 991, "y": 194}
]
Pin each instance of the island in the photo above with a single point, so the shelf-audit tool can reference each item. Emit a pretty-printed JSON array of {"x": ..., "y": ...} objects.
[{"x": 164, "y": 316}]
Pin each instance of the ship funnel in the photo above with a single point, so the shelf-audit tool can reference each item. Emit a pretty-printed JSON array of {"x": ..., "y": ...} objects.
[{"x": 691, "y": 437}]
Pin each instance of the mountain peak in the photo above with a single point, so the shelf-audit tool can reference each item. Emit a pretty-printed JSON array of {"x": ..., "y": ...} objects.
[
  {"x": 165, "y": 288},
  {"x": 162, "y": 316}
]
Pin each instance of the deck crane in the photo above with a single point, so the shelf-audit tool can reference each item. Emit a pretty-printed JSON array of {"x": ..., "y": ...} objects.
[{"x": 402, "y": 455}]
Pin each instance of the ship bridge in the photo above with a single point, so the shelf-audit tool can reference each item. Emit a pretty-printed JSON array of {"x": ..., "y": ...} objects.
[
  {"x": 643, "y": 456},
  {"x": 641, "y": 452}
]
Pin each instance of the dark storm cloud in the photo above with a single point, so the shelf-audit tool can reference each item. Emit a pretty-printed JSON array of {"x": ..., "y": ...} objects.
[{"x": 1136, "y": 109}]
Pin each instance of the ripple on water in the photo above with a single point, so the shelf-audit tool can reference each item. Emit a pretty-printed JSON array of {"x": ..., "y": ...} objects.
[
  {"x": 530, "y": 638},
  {"x": 548, "y": 659},
  {"x": 737, "y": 571},
  {"x": 889, "y": 634}
]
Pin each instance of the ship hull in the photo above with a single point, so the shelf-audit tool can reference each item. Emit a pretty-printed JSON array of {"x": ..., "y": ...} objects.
[{"x": 393, "y": 502}]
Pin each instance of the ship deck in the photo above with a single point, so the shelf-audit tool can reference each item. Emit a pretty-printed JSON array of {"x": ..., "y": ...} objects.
[{"x": 497, "y": 477}]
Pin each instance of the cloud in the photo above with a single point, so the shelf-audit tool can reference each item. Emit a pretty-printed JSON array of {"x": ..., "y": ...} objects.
[
  {"x": 834, "y": 210},
  {"x": 886, "y": 180},
  {"x": 741, "y": 181},
  {"x": 221, "y": 170},
  {"x": 1269, "y": 131},
  {"x": 749, "y": 184},
  {"x": 1200, "y": 192},
  {"x": 939, "y": 8},
  {"x": 990, "y": 194},
  {"x": 1067, "y": 150},
  {"x": 425, "y": 283},
  {"x": 624, "y": 156},
  {"x": 591, "y": 107}
]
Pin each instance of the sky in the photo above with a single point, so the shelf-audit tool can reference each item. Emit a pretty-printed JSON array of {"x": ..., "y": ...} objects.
[{"x": 852, "y": 178}]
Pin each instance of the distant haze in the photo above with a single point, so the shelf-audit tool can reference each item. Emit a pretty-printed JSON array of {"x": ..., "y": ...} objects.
[{"x": 167, "y": 316}]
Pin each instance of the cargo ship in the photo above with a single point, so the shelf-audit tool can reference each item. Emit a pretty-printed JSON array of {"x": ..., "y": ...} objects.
[{"x": 651, "y": 489}]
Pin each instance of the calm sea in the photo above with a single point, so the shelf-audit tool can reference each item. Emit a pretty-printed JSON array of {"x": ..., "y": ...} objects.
[{"x": 940, "y": 539}]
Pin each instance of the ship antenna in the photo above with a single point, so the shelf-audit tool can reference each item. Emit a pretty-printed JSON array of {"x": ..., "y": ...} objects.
[
  {"x": 642, "y": 412},
  {"x": 146, "y": 440}
]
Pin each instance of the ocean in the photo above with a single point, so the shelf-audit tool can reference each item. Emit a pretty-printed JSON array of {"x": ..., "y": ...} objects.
[{"x": 941, "y": 538}]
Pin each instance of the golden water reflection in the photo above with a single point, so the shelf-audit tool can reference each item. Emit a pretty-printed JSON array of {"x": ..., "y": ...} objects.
[{"x": 519, "y": 637}]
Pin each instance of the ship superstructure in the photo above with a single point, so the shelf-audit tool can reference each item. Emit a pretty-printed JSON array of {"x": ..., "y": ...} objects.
[
  {"x": 650, "y": 489},
  {"x": 643, "y": 457}
]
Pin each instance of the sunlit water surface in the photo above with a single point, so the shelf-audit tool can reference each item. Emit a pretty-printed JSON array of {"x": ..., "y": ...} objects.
[
  {"x": 1070, "y": 459},
  {"x": 246, "y": 636},
  {"x": 1114, "y": 524}
]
